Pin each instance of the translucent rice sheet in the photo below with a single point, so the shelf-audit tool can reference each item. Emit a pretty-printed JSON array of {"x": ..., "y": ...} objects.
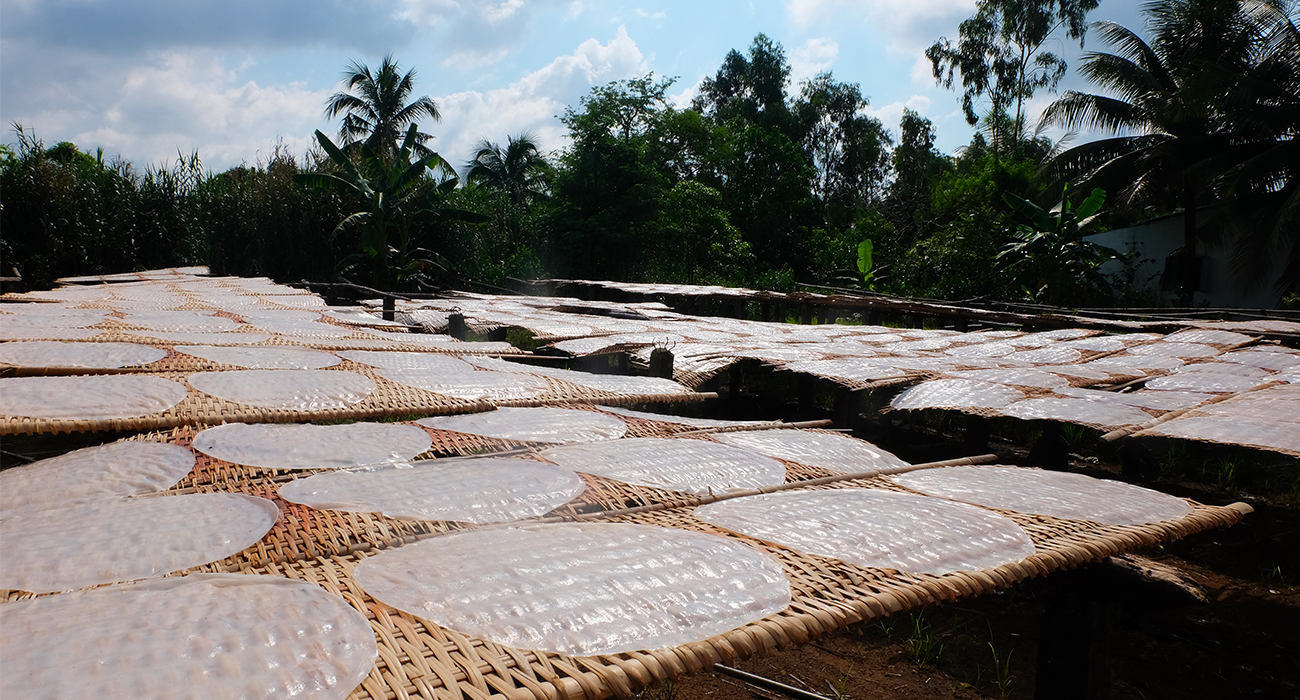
[
  {"x": 1049, "y": 355},
  {"x": 289, "y": 446},
  {"x": 1168, "y": 349},
  {"x": 1127, "y": 362},
  {"x": 1101, "y": 343},
  {"x": 301, "y": 329},
  {"x": 94, "y": 355},
  {"x": 682, "y": 420},
  {"x": 1058, "y": 494},
  {"x": 1015, "y": 376},
  {"x": 1235, "y": 430},
  {"x": 956, "y": 393},
  {"x": 692, "y": 466},
  {"x": 408, "y": 360},
  {"x": 1207, "y": 336},
  {"x": 199, "y": 636},
  {"x": 1066, "y": 333},
  {"x": 50, "y": 314},
  {"x": 256, "y": 316},
  {"x": 181, "y": 321},
  {"x": 854, "y": 370},
  {"x": 89, "y": 397},
  {"x": 1079, "y": 372},
  {"x": 1101, "y": 413},
  {"x": 124, "y": 539},
  {"x": 585, "y": 346},
  {"x": 880, "y": 529},
  {"x": 1158, "y": 400},
  {"x": 471, "y": 386},
  {"x": 558, "y": 425},
  {"x": 297, "y": 301},
  {"x": 479, "y": 490},
  {"x": 359, "y": 317},
  {"x": 836, "y": 453},
  {"x": 203, "y": 338},
  {"x": 264, "y": 357},
  {"x": 293, "y": 389},
  {"x": 1232, "y": 368},
  {"x": 786, "y": 353},
  {"x": 421, "y": 339},
  {"x": 1274, "y": 361},
  {"x": 92, "y": 474},
  {"x": 19, "y": 331},
  {"x": 614, "y": 383},
  {"x": 982, "y": 350},
  {"x": 1206, "y": 382},
  {"x": 580, "y": 588}
]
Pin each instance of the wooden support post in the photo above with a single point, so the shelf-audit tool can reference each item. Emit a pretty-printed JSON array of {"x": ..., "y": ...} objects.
[
  {"x": 977, "y": 434},
  {"x": 1073, "y": 647},
  {"x": 498, "y": 334},
  {"x": 823, "y": 312},
  {"x": 805, "y": 313},
  {"x": 832, "y": 314},
  {"x": 661, "y": 363},
  {"x": 780, "y": 312},
  {"x": 804, "y": 384},
  {"x": 765, "y": 310},
  {"x": 1050, "y": 450},
  {"x": 873, "y": 317},
  {"x": 736, "y": 384},
  {"x": 390, "y": 308},
  {"x": 623, "y": 364},
  {"x": 456, "y": 327},
  {"x": 961, "y": 324}
]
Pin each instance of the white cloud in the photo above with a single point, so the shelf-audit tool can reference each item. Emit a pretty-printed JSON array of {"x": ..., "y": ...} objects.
[
  {"x": 891, "y": 114},
  {"x": 922, "y": 70},
  {"x": 651, "y": 15},
  {"x": 907, "y": 24},
  {"x": 533, "y": 102},
  {"x": 815, "y": 56},
  {"x": 429, "y": 12}
]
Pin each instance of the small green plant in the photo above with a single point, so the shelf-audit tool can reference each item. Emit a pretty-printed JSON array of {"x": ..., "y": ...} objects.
[
  {"x": 1274, "y": 578},
  {"x": 1074, "y": 435},
  {"x": 1226, "y": 472},
  {"x": 886, "y": 626},
  {"x": 865, "y": 264},
  {"x": 921, "y": 644},
  {"x": 1174, "y": 463},
  {"x": 663, "y": 691},
  {"x": 1003, "y": 677},
  {"x": 840, "y": 686}
]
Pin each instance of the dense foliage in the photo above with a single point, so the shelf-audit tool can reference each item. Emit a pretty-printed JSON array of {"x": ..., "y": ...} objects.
[{"x": 757, "y": 182}]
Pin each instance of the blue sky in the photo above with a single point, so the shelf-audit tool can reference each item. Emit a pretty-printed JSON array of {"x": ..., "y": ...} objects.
[{"x": 146, "y": 79}]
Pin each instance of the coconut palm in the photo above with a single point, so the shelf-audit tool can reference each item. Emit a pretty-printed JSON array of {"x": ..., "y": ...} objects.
[
  {"x": 520, "y": 170},
  {"x": 1186, "y": 107},
  {"x": 375, "y": 108}
]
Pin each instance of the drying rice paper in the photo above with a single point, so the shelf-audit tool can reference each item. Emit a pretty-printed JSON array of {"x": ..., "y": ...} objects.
[
  {"x": 580, "y": 588},
  {"x": 123, "y": 539},
  {"x": 880, "y": 529},
  {"x": 181, "y": 321},
  {"x": 286, "y": 446},
  {"x": 90, "y": 355},
  {"x": 479, "y": 490},
  {"x": 94, "y": 474},
  {"x": 19, "y": 331},
  {"x": 1015, "y": 376},
  {"x": 264, "y": 357},
  {"x": 681, "y": 420},
  {"x": 201, "y": 636},
  {"x": 203, "y": 338},
  {"x": 835, "y": 453},
  {"x": 292, "y": 389},
  {"x": 1204, "y": 382},
  {"x": 478, "y": 385},
  {"x": 1075, "y": 410},
  {"x": 956, "y": 394},
  {"x": 89, "y": 397},
  {"x": 693, "y": 466},
  {"x": 1168, "y": 349},
  {"x": 408, "y": 361},
  {"x": 1058, "y": 494},
  {"x": 557, "y": 425}
]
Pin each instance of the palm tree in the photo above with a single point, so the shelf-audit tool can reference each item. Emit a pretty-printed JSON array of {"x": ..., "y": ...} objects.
[
  {"x": 1180, "y": 137},
  {"x": 520, "y": 170},
  {"x": 375, "y": 108}
]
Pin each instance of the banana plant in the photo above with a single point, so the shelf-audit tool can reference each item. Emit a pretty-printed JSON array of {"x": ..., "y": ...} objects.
[
  {"x": 1047, "y": 254},
  {"x": 401, "y": 199}
]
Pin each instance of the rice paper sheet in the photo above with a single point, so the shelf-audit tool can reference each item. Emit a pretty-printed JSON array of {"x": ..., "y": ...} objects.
[
  {"x": 1203, "y": 382},
  {"x": 1233, "y": 368},
  {"x": 1273, "y": 361},
  {"x": 1075, "y": 410},
  {"x": 51, "y": 313},
  {"x": 408, "y": 361},
  {"x": 300, "y": 329},
  {"x": 94, "y": 474},
  {"x": 557, "y": 425},
  {"x": 306, "y": 446},
  {"x": 479, "y": 490},
  {"x": 580, "y": 588},
  {"x": 21, "y": 331},
  {"x": 1155, "y": 400},
  {"x": 1101, "y": 343},
  {"x": 89, "y": 397},
  {"x": 201, "y": 636},
  {"x": 1129, "y": 362},
  {"x": 681, "y": 420},
  {"x": 1015, "y": 376},
  {"x": 89, "y": 355},
  {"x": 1049, "y": 355},
  {"x": 203, "y": 338},
  {"x": 263, "y": 358},
  {"x": 853, "y": 370},
  {"x": 1168, "y": 349},
  {"x": 178, "y": 321},
  {"x": 1058, "y": 494},
  {"x": 1250, "y": 430},
  {"x": 1211, "y": 337},
  {"x": 613, "y": 383},
  {"x": 691, "y": 466},
  {"x": 956, "y": 394},
  {"x": 478, "y": 385},
  {"x": 834, "y": 453},
  {"x": 60, "y": 549},
  {"x": 880, "y": 529}
]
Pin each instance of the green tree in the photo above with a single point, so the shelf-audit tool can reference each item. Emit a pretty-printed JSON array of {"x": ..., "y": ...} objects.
[
  {"x": 1000, "y": 57},
  {"x": 519, "y": 170},
  {"x": 1048, "y": 258},
  {"x": 917, "y": 167},
  {"x": 375, "y": 108}
]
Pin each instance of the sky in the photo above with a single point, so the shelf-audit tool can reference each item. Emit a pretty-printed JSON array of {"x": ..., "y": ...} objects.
[{"x": 149, "y": 80}]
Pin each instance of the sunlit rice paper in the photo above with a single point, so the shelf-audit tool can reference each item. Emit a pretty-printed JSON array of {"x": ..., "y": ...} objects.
[
  {"x": 470, "y": 386},
  {"x": 956, "y": 394},
  {"x": 480, "y": 490},
  {"x": 408, "y": 360},
  {"x": 93, "y": 474},
  {"x": 181, "y": 321},
  {"x": 203, "y": 338},
  {"x": 692, "y": 466},
  {"x": 61, "y": 549},
  {"x": 580, "y": 588},
  {"x": 834, "y": 453},
  {"x": 89, "y": 397},
  {"x": 557, "y": 425},
  {"x": 1075, "y": 410},
  {"x": 305, "y": 446},
  {"x": 1015, "y": 376},
  {"x": 293, "y": 389},
  {"x": 88, "y": 355},
  {"x": 1058, "y": 494},
  {"x": 880, "y": 529},
  {"x": 263, "y": 357}
]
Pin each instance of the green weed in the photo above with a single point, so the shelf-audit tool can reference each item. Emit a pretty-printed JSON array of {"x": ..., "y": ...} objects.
[
  {"x": 1003, "y": 677},
  {"x": 663, "y": 691},
  {"x": 921, "y": 644}
]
